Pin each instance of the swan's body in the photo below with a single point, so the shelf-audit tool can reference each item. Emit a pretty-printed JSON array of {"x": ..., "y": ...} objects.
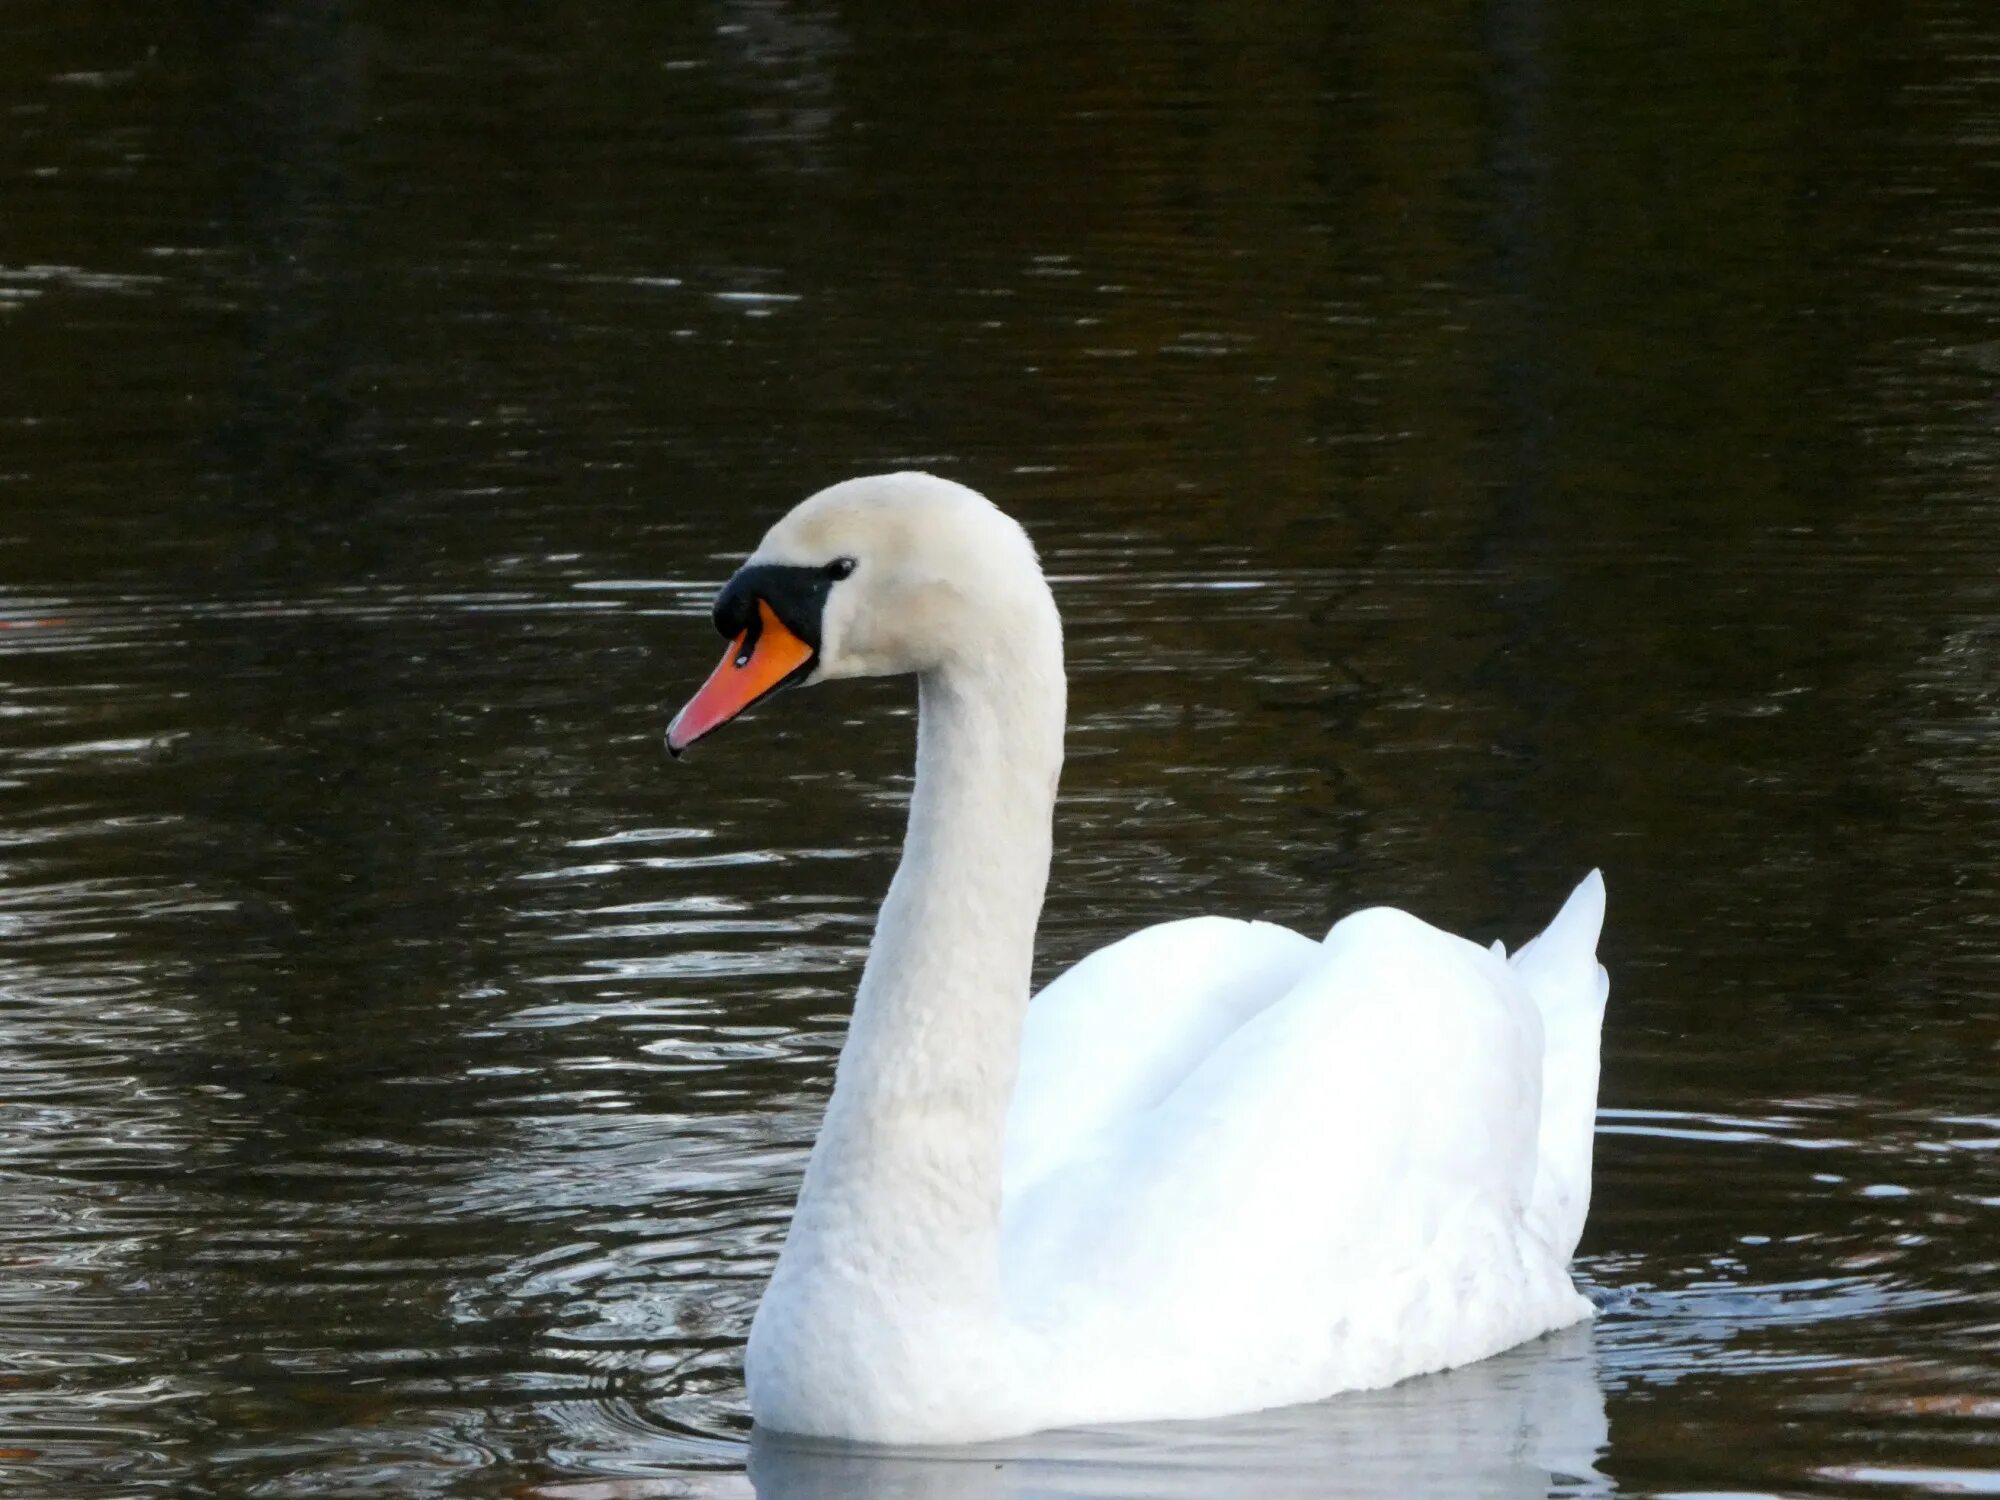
[{"x": 1216, "y": 1166}]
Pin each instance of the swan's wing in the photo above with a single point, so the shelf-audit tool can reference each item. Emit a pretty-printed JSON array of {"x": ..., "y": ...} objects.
[
  {"x": 1117, "y": 1033},
  {"x": 1338, "y": 1191},
  {"x": 1561, "y": 971}
]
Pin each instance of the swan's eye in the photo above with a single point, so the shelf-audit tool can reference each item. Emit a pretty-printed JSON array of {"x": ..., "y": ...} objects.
[{"x": 840, "y": 567}]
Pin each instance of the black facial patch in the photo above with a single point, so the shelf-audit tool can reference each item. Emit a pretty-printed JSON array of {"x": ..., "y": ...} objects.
[{"x": 796, "y": 594}]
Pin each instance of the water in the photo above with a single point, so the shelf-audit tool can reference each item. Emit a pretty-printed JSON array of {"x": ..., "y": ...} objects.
[{"x": 1472, "y": 442}]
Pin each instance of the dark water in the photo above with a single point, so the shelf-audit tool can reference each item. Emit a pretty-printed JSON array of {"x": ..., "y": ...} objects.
[{"x": 1473, "y": 442}]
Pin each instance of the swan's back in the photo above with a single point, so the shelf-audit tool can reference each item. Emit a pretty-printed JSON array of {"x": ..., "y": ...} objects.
[{"x": 1379, "y": 1170}]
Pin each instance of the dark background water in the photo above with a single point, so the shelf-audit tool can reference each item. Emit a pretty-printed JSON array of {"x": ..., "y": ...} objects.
[{"x": 1472, "y": 441}]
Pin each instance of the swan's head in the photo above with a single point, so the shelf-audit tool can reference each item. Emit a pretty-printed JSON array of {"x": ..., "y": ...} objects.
[{"x": 894, "y": 573}]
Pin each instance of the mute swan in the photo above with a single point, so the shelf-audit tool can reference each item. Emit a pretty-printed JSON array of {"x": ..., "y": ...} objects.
[{"x": 1216, "y": 1166}]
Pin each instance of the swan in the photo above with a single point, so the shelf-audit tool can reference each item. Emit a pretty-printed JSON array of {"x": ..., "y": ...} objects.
[{"x": 1214, "y": 1168}]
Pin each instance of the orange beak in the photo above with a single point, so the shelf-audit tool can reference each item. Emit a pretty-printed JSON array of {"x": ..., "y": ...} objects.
[{"x": 758, "y": 662}]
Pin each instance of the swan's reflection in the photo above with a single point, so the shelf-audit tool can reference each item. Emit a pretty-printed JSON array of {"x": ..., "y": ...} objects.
[{"x": 1515, "y": 1425}]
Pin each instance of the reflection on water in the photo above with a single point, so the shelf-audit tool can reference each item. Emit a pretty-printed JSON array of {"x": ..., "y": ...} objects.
[
  {"x": 1526, "y": 1424},
  {"x": 1519, "y": 1425},
  {"x": 1472, "y": 442}
]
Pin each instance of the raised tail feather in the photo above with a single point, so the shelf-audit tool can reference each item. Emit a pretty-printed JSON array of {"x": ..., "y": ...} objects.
[{"x": 1561, "y": 971}]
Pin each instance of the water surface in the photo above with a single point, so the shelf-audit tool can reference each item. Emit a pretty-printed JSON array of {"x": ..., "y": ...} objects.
[{"x": 1471, "y": 443}]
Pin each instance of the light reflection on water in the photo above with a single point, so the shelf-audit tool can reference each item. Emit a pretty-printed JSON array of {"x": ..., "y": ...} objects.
[{"x": 1467, "y": 447}]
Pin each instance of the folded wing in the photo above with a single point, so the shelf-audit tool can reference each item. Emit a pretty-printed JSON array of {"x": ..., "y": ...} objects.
[{"x": 1115, "y": 1035}]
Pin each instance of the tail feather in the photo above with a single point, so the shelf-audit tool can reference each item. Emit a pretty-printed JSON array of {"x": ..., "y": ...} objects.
[{"x": 1570, "y": 987}]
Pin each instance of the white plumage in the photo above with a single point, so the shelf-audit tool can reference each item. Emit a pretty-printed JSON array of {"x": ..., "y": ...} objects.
[
  {"x": 1368, "y": 1160},
  {"x": 1215, "y": 1167}
]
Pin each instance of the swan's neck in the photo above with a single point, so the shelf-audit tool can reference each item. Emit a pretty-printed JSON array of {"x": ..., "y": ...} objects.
[{"x": 904, "y": 1182}]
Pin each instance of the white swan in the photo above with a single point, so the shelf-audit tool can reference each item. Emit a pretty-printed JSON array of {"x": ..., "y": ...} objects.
[{"x": 1213, "y": 1168}]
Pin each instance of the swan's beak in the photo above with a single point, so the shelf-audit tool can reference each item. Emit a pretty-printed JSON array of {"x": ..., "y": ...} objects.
[{"x": 758, "y": 662}]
